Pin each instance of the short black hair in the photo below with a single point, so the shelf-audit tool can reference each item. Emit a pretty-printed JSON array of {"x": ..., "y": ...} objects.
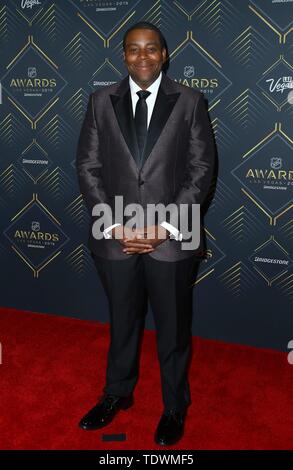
[{"x": 145, "y": 25}]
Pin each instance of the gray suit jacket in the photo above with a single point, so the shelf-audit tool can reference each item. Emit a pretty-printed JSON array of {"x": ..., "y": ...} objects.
[{"x": 177, "y": 163}]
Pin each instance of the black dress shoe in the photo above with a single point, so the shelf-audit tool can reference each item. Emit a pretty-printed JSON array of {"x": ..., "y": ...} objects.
[
  {"x": 104, "y": 412},
  {"x": 170, "y": 428}
]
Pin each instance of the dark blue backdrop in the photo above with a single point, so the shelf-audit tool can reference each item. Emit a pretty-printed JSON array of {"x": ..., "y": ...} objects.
[{"x": 53, "y": 54}]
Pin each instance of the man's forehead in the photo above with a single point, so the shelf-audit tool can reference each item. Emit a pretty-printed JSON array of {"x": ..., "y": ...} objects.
[{"x": 140, "y": 33}]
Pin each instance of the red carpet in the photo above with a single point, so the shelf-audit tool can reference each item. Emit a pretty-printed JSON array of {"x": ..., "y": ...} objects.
[{"x": 53, "y": 371}]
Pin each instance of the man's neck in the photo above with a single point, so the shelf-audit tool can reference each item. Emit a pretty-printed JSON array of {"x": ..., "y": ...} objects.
[{"x": 145, "y": 86}]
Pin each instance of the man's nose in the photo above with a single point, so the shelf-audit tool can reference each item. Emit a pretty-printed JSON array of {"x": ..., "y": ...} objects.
[{"x": 142, "y": 54}]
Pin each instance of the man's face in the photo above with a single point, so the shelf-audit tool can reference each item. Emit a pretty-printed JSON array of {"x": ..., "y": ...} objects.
[{"x": 143, "y": 56}]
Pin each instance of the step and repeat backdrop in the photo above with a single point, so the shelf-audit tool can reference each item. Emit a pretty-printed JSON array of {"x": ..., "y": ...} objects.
[{"x": 238, "y": 53}]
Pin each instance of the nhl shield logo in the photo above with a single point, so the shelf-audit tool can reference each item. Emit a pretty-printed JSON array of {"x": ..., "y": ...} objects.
[
  {"x": 36, "y": 226},
  {"x": 188, "y": 71},
  {"x": 31, "y": 72},
  {"x": 276, "y": 163}
]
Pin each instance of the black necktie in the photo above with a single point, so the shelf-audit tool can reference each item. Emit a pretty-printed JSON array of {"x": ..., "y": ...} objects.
[{"x": 140, "y": 119}]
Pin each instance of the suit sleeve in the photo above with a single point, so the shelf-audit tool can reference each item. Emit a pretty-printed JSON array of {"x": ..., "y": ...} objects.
[
  {"x": 200, "y": 159},
  {"x": 88, "y": 160}
]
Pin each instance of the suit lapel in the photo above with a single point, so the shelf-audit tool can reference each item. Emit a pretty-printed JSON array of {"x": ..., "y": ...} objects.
[
  {"x": 123, "y": 111},
  {"x": 164, "y": 105}
]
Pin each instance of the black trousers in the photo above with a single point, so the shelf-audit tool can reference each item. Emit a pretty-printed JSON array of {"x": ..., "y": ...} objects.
[{"x": 168, "y": 286}]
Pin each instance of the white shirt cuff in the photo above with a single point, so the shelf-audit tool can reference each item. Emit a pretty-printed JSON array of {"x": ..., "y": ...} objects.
[
  {"x": 107, "y": 231},
  {"x": 174, "y": 232}
]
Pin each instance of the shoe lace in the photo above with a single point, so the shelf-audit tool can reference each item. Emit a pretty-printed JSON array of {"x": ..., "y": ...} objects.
[
  {"x": 174, "y": 414},
  {"x": 110, "y": 399}
]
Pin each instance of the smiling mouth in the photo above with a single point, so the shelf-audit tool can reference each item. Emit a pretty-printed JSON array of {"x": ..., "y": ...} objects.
[{"x": 142, "y": 66}]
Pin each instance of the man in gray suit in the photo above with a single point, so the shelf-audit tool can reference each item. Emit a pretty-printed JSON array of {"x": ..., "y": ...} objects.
[{"x": 148, "y": 139}]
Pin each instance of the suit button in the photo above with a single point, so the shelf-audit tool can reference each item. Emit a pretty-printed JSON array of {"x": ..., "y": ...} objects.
[{"x": 141, "y": 182}]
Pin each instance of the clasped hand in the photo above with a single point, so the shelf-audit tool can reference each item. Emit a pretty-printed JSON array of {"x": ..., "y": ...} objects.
[{"x": 139, "y": 241}]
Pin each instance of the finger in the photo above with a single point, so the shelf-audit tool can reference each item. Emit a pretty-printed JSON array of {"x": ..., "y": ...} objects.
[
  {"x": 143, "y": 242},
  {"x": 138, "y": 245},
  {"x": 136, "y": 237},
  {"x": 146, "y": 241},
  {"x": 133, "y": 251},
  {"x": 130, "y": 250}
]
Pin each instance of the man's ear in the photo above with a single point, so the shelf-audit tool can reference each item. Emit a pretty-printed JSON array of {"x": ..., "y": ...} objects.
[{"x": 164, "y": 54}]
